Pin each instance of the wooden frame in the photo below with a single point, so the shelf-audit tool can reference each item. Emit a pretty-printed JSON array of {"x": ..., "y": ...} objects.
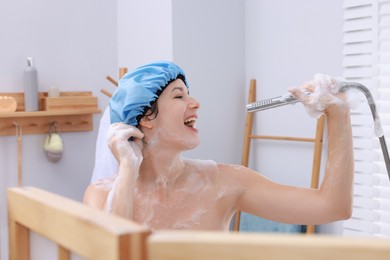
[
  {"x": 244, "y": 246},
  {"x": 248, "y": 136},
  {"x": 93, "y": 234},
  {"x": 74, "y": 227}
]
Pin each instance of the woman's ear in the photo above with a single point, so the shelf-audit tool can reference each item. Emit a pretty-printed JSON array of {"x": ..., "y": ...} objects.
[{"x": 146, "y": 122}]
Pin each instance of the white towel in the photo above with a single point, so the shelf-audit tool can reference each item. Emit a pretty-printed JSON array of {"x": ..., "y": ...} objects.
[{"x": 105, "y": 163}]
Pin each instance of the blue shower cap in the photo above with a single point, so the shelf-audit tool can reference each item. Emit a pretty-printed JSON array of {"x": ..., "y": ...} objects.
[{"x": 139, "y": 89}]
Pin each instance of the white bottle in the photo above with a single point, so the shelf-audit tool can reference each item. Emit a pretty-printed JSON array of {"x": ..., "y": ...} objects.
[{"x": 30, "y": 86}]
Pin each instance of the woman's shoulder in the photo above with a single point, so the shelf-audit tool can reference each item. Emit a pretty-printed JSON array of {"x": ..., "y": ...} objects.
[
  {"x": 200, "y": 164},
  {"x": 96, "y": 193},
  {"x": 210, "y": 165},
  {"x": 231, "y": 167}
]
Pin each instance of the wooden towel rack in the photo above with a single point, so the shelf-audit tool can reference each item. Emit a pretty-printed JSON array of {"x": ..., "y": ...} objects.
[{"x": 122, "y": 72}]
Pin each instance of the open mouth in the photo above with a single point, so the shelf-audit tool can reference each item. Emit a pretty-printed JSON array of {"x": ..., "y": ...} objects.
[{"x": 190, "y": 122}]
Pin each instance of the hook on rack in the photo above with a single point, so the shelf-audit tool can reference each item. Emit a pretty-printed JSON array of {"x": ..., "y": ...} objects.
[{"x": 54, "y": 127}]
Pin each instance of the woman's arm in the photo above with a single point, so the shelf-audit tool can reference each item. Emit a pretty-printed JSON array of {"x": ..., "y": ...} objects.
[
  {"x": 332, "y": 201},
  {"x": 337, "y": 184},
  {"x": 116, "y": 195}
]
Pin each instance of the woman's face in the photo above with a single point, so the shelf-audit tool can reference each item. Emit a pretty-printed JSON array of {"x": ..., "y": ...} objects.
[{"x": 177, "y": 115}]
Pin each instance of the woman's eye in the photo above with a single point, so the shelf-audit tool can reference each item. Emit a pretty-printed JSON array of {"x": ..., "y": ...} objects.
[{"x": 180, "y": 97}]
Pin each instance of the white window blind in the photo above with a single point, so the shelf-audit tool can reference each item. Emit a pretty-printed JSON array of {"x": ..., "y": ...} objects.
[{"x": 367, "y": 61}]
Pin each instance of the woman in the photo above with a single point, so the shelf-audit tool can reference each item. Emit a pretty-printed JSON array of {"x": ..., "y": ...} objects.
[{"x": 153, "y": 120}]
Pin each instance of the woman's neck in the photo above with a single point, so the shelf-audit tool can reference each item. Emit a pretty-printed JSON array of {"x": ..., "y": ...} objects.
[{"x": 160, "y": 166}]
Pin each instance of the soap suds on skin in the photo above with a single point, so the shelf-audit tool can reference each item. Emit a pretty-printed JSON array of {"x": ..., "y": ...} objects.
[{"x": 183, "y": 206}]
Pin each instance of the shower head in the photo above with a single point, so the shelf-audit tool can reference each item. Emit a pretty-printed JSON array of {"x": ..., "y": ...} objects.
[{"x": 271, "y": 103}]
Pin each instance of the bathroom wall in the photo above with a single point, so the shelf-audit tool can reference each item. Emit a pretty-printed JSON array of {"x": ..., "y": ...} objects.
[{"x": 144, "y": 31}]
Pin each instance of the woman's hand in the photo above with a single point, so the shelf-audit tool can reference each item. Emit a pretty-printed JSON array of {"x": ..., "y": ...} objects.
[
  {"x": 319, "y": 94},
  {"x": 125, "y": 142}
]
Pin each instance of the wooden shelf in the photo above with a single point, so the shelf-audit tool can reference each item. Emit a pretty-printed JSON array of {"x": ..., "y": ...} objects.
[
  {"x": 39, "y": 122},
  {"x": 20, "y": 114}
]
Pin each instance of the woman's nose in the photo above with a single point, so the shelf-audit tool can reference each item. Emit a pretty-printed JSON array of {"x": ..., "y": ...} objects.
[{"x": 194, "y": 104}]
